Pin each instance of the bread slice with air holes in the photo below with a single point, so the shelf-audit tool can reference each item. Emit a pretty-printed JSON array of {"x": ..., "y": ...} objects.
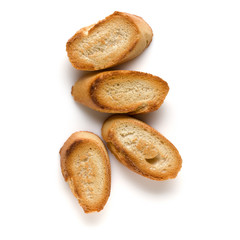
[
  {"x": 118, "y": 38},
  {"x": 85, "y": 166},
  {"x": 121, "y": 91},
  {"x": 141, "y": 148}
]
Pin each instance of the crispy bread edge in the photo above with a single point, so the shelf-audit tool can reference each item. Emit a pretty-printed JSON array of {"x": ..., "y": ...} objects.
[{"x": 64, "y": 152}]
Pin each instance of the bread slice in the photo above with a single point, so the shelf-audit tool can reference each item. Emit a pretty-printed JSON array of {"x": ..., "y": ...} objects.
[
  {"x": 114, "y": 40},
  {"x": 121, "y": 91},
  {"x": 85, "y": 166},
  {"x": 141, "y": 148}
]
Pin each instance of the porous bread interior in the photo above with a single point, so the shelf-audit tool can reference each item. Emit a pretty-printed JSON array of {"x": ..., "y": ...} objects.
[
  {"x": 149, "y": 151},
  {"x": 86, "y": 169},
  {"x": 105, "y": 40},
  {"x": 121, "y": 90}
]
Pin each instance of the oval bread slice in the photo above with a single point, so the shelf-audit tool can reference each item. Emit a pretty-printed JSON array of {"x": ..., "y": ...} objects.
[
  {"x": 121, "y": 91},
  {"x": 85, "y": 166},
  {"x": 141, "y": 148},
  {"x": 118, "y": 38}
]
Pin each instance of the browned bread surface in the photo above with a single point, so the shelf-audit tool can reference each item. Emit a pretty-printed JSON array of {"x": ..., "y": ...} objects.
[
  {"x": 85, "y": 166},
  {"x": 121, "y": 91},
  {"x": 141, "y": 148},
  {"x": 118, "y": 38}
]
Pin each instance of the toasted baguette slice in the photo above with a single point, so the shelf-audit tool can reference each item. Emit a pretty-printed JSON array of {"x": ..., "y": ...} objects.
[
  {"x": 114, "y": 40},
  {"x": 85, "y": 166},
  {"x": 121, "y": 91},
  {"x": 141, "y": 148}
]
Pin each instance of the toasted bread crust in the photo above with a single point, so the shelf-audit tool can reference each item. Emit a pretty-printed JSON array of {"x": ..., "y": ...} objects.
[
  {"x": 97, "y": 92},
  {"x": 142, "y": 38},
  {"x": 128, "y": 157},
  {"x": 74, "y": 145}
]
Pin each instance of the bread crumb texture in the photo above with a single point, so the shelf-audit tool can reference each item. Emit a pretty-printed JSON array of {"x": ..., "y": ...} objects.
[
  {"x": 116, "y": 39},
  {"x": 142, "y": 148},
  {"x": 85, "y": 166},
  {"x": 121, "y": 91}
]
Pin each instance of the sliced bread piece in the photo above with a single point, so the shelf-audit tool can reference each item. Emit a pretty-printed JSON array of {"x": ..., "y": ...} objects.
[
  {"x": 121, "y": 91},
  {"x": 85, "y": 166},
  {"x": 141, "y": 148},
  {"x": 118, "y": 38}
]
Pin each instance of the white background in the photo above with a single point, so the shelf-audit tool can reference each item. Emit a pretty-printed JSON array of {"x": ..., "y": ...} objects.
[{"x": 196, "y": 49}]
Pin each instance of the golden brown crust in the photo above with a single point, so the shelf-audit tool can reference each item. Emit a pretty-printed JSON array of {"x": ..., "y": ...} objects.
[
  {"x": 128, "y": 158},
  {"x": 142, "y": 39},
  {"x": 76, "y": 145},
  {"x": 88, "y": 91}
]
